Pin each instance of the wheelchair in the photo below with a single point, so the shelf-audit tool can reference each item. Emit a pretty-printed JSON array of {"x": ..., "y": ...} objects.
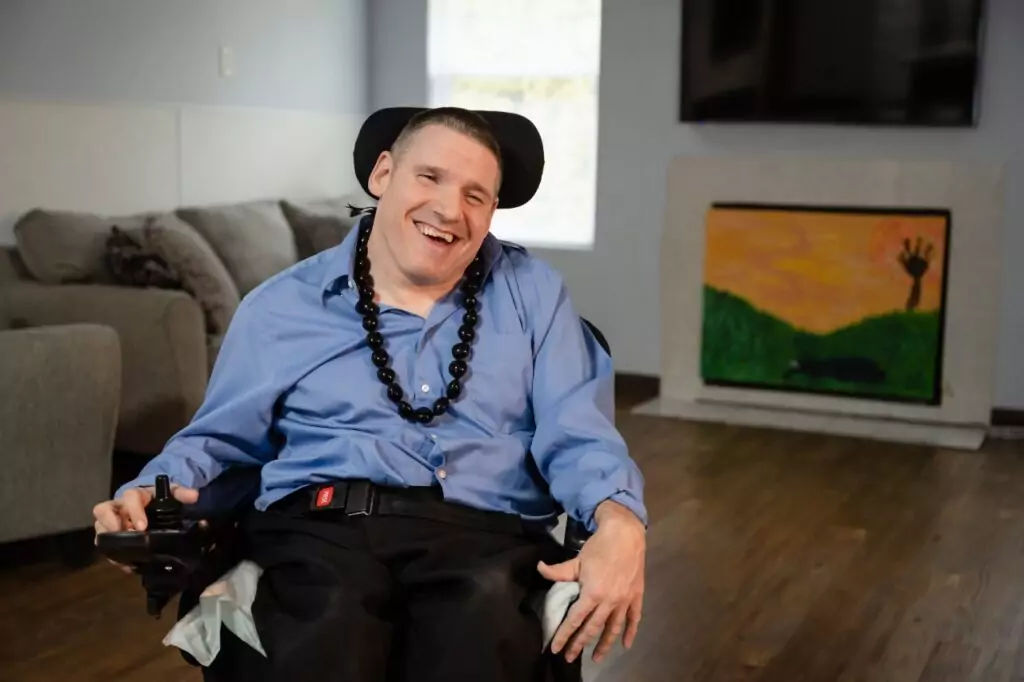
[{"x": 188, "y": 548}]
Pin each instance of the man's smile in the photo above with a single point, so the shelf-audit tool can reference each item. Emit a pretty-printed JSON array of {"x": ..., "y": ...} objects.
[{"x": 436, "y": 234}]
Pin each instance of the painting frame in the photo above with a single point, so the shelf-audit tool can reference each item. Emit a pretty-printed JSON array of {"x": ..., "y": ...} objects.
[{"x": 931, "y": 399}]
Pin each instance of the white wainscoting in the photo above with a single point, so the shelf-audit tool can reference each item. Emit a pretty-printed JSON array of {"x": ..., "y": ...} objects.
[
  {"x": 973, "y": 192},
  {"x": 117, "y": 158}
]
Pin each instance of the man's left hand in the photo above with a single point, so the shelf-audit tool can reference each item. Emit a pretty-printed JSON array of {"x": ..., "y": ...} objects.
[{"x": 610, "y": 570}]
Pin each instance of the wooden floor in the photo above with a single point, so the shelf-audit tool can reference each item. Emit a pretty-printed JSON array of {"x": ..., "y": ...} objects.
[{"x": 773, "y": 557}]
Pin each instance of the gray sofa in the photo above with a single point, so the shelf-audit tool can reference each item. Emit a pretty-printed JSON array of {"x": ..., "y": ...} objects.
[
  {"x": 62, "y": 270},
  {"x": 61, "y": 386}
]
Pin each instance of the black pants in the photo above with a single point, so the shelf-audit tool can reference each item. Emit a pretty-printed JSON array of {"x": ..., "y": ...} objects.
[{"x": 388, "y": 598}]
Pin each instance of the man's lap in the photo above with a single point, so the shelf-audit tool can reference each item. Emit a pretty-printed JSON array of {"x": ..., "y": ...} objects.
[{"x": 348, "y": 597}]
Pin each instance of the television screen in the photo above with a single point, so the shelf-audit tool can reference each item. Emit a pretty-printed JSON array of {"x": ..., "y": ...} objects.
[{"x": 891, "y": 62}]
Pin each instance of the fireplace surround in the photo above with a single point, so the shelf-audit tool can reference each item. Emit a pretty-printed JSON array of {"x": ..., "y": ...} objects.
[{"x": 754, "y": 236}]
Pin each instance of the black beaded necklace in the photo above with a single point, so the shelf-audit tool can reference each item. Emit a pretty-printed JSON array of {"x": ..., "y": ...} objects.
[{"x": 366, "y": 307}]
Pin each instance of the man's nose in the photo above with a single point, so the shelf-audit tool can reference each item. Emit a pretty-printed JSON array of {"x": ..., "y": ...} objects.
[{"x": 448, "y": 203}]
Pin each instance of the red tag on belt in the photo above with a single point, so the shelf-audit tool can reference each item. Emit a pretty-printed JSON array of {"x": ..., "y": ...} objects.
[{"x": 324, "y": 496}]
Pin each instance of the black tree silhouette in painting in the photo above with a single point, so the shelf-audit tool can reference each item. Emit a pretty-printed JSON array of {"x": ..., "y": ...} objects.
[{"x": 915, "y": 261}]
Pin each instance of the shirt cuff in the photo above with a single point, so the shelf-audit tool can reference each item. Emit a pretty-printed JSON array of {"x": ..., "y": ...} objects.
[{"x": 592, "y": 497}]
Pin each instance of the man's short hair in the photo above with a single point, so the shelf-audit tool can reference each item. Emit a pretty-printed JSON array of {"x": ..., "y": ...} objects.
[{"x": 454, "y": 118}]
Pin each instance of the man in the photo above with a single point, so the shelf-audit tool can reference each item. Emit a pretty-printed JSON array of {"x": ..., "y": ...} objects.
[{"x": 450, "y": 371}]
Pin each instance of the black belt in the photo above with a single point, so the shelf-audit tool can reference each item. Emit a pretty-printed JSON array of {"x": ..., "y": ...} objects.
[{"x": 363, "y": 498}]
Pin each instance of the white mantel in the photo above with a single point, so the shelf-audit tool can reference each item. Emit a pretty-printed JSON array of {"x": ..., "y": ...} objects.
[{"x": 972, "y": 192}]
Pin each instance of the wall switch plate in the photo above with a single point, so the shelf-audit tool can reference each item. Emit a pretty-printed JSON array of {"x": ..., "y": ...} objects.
[{"x": 227, "y": 61}]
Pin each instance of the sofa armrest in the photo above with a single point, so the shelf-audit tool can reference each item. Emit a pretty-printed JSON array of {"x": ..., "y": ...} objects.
[
  {"x": 163, "y": 349},
  {"x": 57, "y": 420}
]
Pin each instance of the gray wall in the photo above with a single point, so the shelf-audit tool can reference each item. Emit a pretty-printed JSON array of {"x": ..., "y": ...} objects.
[
  {"x": 291, "y": 54},
  {"x": 616, "y": 283}
]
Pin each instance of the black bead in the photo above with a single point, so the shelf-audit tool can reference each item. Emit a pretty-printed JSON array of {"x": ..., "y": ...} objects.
[
  {"x": 466, "y": 333},
  {"x": 424, "y": 415},
  {"x": 362, "y": 264},
  {"x": 380, "y": 357},
  {"x": 386, "y": 375},
  {"x": 361, "y": 250},
  {"x": 364, "y": 280},
  {"x": 366, "y": 296},
  {"x": 405, "y": 410},
  {"x": 460, "y": 351},
  {"x": 370, "y": 323},
  {"x": 367, "y": 307},
  {"x": 470, "y": 318},
  {"x": 440, "y": 406},
  {"x": 395, "y": 393},
  {"x": 454, "y": 389},
  {"x": 470, "y": 286},
  {"x": 475, "y": 271},
  {"x": 458, "y": 368},
  {"x": 375, "y": 340},
  {"x": 469, "y": 302}
]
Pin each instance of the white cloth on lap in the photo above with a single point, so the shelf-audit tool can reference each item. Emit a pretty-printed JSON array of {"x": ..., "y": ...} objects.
[{"x": 228, "y": 602}]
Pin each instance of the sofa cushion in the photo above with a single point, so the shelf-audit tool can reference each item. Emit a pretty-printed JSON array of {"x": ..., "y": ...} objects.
[
  {"x": 253, "y": 239},
  {"x": 61, "y": 246},
  {"x": 318, "y": 225},
  {"x": 200, "y": 270}
]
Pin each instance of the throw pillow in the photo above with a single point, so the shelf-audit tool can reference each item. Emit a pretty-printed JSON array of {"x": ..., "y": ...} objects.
[
  {"x": 252, "y": 239},
  {"x": 132, "y": 264},
  {"x": 60, "y": 247},
  {"x": 200, "y": 270}
]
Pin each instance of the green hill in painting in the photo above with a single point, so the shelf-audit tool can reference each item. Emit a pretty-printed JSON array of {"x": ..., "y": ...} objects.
[{"x": 744, "y": 345}]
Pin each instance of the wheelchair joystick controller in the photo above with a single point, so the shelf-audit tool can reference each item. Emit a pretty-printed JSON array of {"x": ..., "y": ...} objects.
[
  {"x": 164, "y": 512},
  {"x": 164, "y": 554}
]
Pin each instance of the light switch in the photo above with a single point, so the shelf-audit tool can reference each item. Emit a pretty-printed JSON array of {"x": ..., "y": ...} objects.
[{"x": 227, "y": 61}]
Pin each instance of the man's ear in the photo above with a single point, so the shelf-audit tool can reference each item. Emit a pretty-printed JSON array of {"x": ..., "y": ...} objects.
[{"x": 380, "y": 178}]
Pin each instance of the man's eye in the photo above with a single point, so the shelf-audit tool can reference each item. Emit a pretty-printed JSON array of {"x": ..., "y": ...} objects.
[
  {"x": 475, "y": 200},
  {"x": 428, "y": 176}
]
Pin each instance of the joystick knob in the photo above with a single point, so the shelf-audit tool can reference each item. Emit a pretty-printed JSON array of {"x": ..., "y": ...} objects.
[{"x": 164, "y": 512}]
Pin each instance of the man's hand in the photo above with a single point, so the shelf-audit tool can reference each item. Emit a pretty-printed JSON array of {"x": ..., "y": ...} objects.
[
  {"x": 129, "y": 512},
  {"x": 610, "y": 570}
]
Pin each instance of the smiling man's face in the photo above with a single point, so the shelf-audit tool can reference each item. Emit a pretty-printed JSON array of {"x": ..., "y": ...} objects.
[{"x": 438, "y": 193}]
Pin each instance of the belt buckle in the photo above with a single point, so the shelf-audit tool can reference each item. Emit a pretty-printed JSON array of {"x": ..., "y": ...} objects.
[{"x": 361, "y": 499}]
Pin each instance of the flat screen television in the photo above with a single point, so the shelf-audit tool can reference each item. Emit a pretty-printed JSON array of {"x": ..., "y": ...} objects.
[{"x": 886, "y": 62}]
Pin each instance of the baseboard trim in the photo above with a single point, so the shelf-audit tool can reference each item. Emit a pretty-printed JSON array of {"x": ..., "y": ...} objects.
[
  {"x": 633, "y": 389},
  {"x": 1007, "y": 417}
]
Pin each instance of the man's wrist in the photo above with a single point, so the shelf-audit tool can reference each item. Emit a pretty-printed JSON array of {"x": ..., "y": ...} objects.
[{"x": 611, "y": 512}]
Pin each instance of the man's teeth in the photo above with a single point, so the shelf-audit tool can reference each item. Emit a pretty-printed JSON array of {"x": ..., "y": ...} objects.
[{"x": 431, "y": 232}]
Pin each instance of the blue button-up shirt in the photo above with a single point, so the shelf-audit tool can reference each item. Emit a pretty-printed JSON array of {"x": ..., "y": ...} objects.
[{"x": 294, "y": 390}]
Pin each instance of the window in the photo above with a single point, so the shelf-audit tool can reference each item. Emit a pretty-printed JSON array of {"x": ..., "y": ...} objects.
[{"x": 538, "y": 58}]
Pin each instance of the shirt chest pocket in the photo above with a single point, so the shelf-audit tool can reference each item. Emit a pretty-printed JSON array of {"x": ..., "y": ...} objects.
[{"x": 496, "y": 392}]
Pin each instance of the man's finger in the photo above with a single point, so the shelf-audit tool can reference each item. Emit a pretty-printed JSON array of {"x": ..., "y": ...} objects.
[
  {"x": 592, "y": 627},
  {"x": 132, "y": 503},
  {"x": 632, "y": 622},
  {"x": 107, "y": 520},
  {"x": 185, "y": 495},
  {"x": 614, "y": 627},
  {"x": 573, "y": 621},
  {"x": 567, "y": 571}
]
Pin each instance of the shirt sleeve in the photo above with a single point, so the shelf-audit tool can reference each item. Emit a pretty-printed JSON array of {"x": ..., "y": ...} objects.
[
  {"x": 233, "y": 424},
  {"x": 576, "y": 446}
]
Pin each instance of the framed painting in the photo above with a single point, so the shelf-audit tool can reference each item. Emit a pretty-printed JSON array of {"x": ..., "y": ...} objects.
[{"x": 826, "y": 300}]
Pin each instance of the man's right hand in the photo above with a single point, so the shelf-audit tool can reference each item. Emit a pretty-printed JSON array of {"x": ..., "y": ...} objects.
[{"x": 129, "y": 511}]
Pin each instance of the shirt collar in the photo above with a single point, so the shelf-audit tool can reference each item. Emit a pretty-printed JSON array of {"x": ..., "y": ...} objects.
[{"x": 339, "y": 266}]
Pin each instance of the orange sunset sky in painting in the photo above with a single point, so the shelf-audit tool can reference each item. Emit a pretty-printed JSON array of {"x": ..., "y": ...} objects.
[{"x": 820, "y": 271}]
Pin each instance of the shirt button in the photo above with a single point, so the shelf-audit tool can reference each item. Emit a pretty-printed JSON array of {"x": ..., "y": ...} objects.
[
  {"x": 425, "y": 388},
  {"x": 433, "y": 436},
  {"x": 442, "y": 474},
  {"x": 351, "y": 283}
]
